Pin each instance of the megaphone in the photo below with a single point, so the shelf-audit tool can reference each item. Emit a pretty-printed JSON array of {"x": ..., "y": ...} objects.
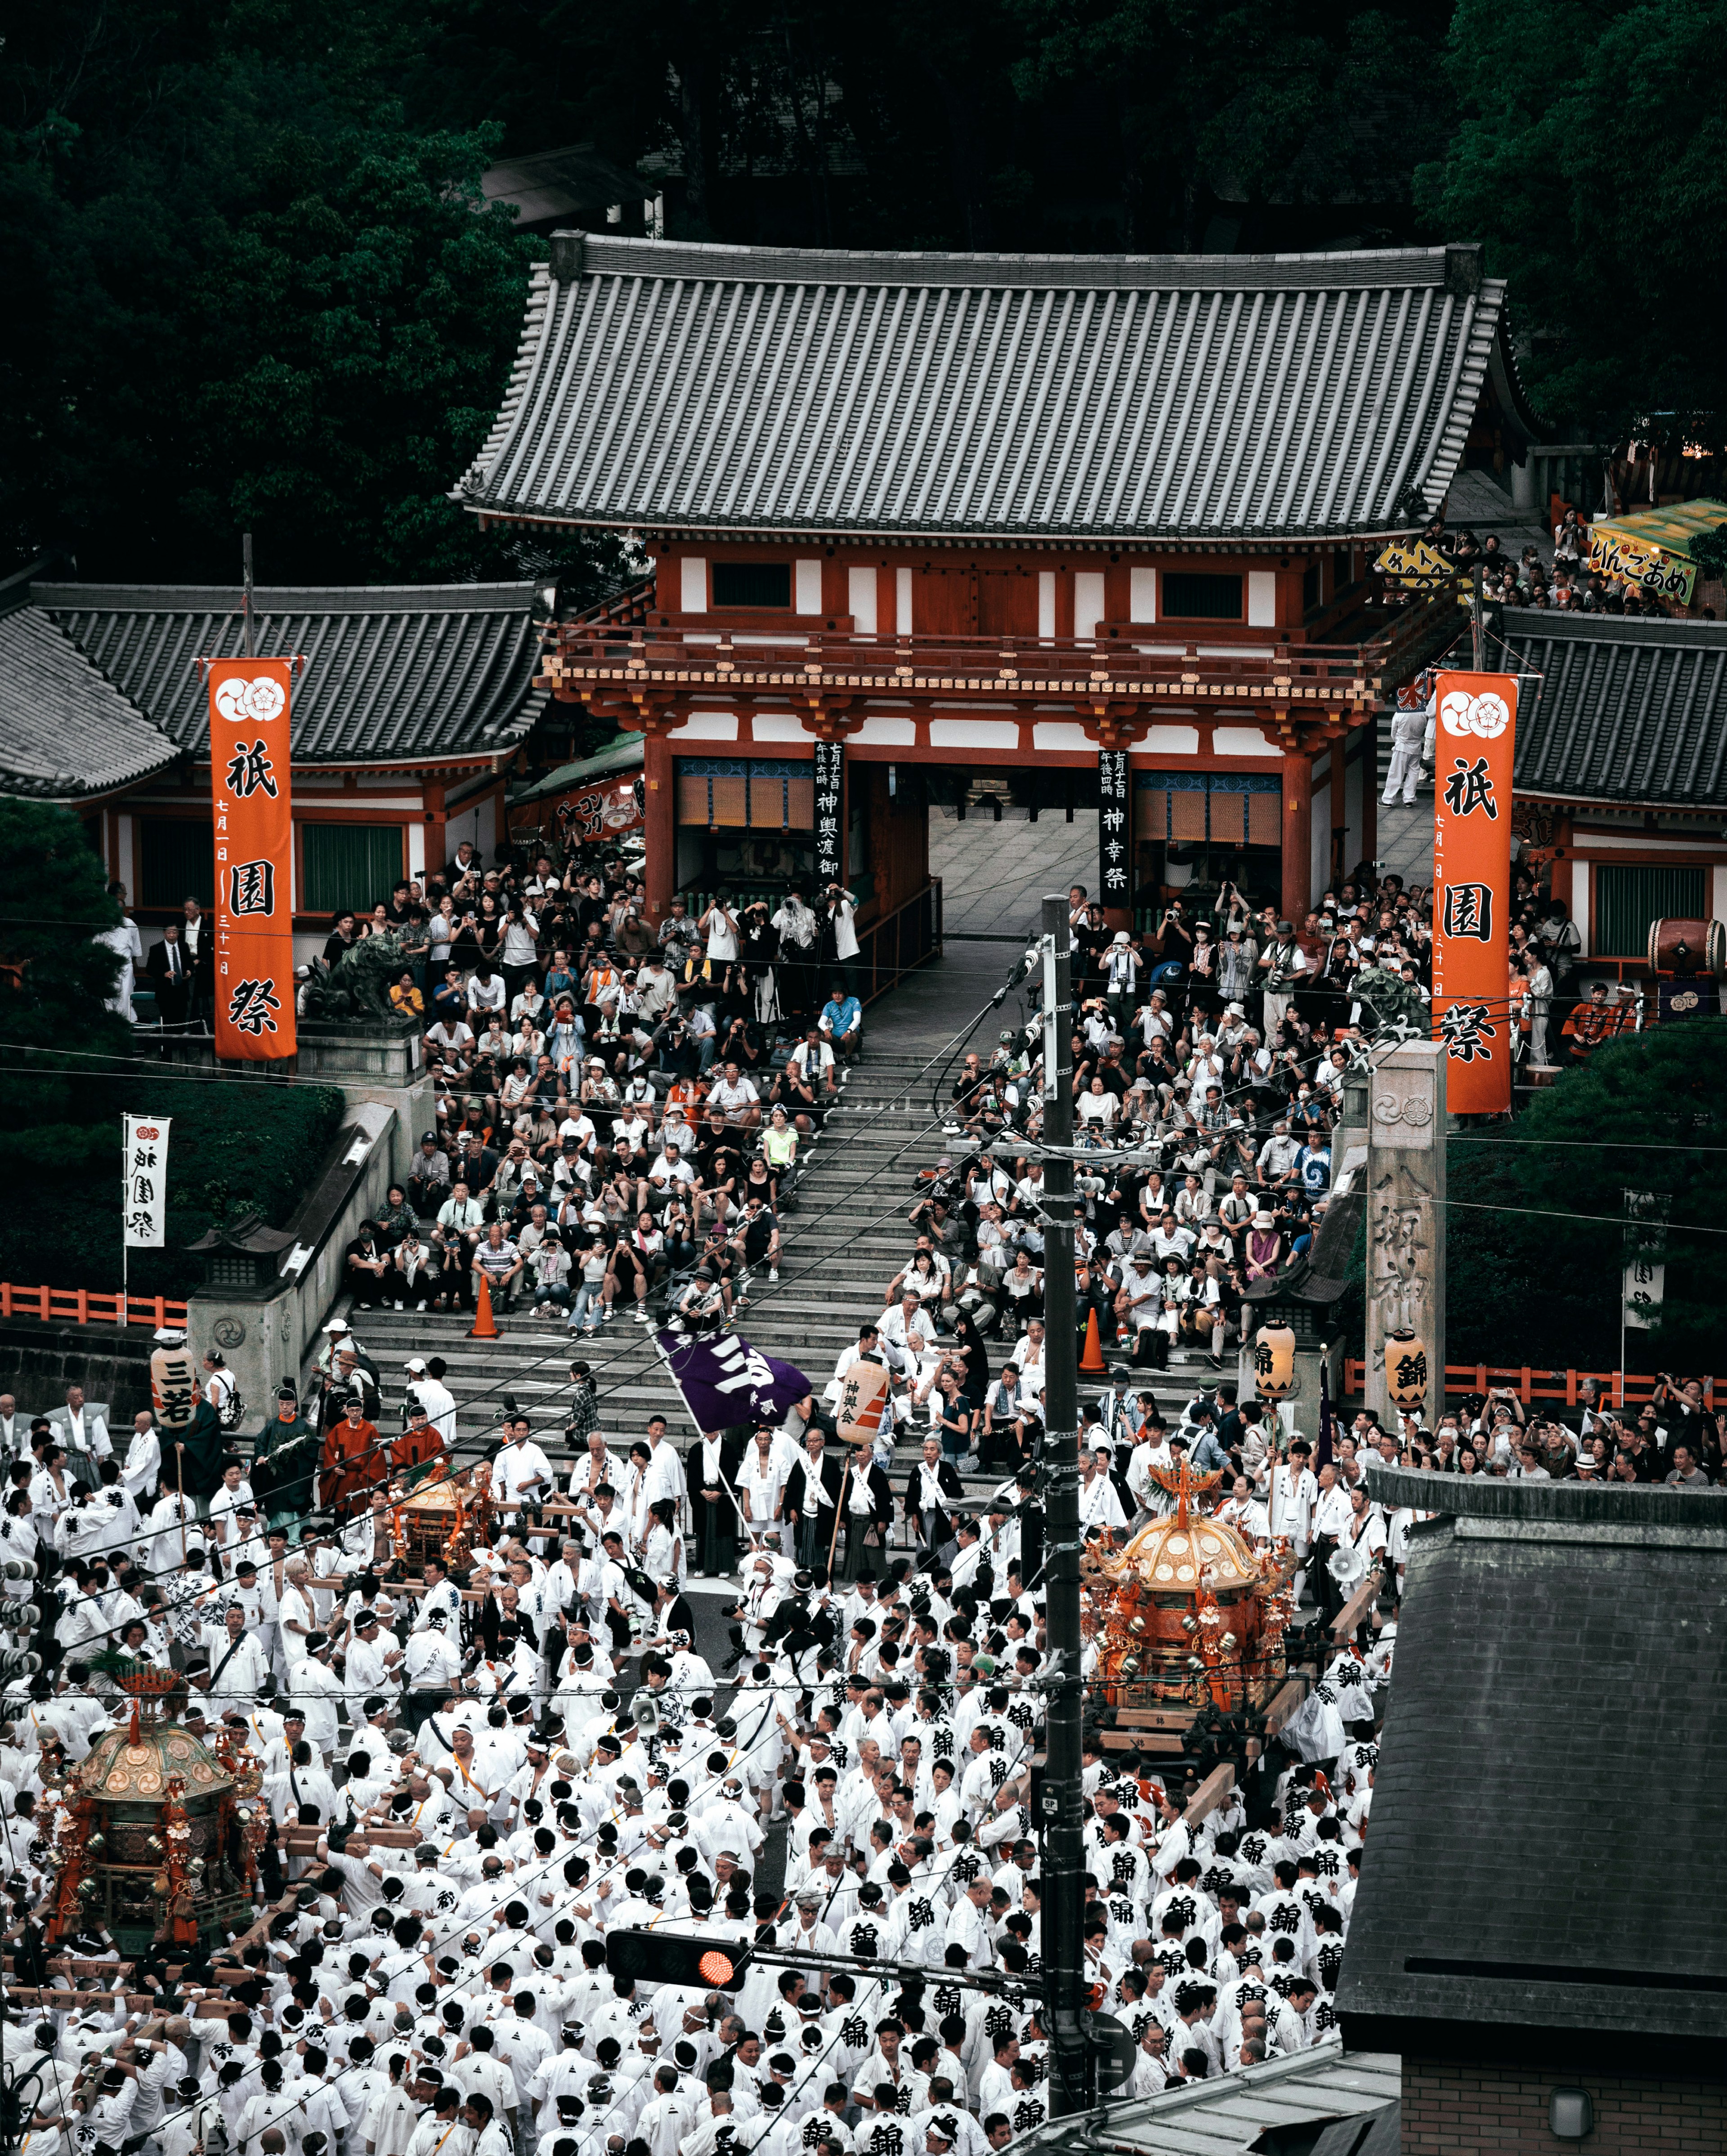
[
  {"x": 1348, "y": 1566},
  {"x": 645, "y": 1711}
]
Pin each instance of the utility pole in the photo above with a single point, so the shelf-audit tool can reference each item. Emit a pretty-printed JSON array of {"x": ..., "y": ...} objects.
[
  {"x": 1062, "y": 1826},
  {"x": 246, "y": 594}
]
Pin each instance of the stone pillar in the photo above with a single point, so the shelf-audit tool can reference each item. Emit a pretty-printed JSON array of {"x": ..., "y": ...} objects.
[
  {"x": 387, "y": 1068},
  {"x": 1406, "y": 1214}
]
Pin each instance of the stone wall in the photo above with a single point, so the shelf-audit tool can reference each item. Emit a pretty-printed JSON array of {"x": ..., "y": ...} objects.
[{"x": 38, "y": 1362}]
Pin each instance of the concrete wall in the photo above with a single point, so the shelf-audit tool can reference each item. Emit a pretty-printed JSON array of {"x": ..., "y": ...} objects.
[
  {"x": 38, "y": 1362},
  {"x": 266, "y": 1337}
]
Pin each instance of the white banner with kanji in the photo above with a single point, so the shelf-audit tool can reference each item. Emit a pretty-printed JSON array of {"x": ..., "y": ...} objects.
[{"x": 144, "y": 1207}]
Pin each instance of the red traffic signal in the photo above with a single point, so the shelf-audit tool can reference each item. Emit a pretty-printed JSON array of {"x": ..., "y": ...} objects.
[{"x": 704, "y": 1963}]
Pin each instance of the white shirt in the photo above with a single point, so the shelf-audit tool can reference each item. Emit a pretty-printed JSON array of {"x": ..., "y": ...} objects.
[{"x": 516, "y": 1467}]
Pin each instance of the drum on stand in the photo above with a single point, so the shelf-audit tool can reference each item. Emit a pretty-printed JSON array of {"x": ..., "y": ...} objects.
[{"x": 1687, "y": 947}]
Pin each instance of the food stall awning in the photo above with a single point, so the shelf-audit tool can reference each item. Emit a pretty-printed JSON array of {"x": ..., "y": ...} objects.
[
  {"x": 618, "y": 756},
  {"x": 1652, "y": 546}
]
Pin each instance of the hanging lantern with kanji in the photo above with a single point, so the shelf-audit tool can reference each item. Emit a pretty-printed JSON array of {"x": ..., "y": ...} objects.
[
  {"x": 1274, "y": 1361},
  {"x": 1407, "y": 1372}
]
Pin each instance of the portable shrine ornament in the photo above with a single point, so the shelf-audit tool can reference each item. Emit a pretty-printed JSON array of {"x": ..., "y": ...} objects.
[
  {"x": 1274, "y": 1361},
  {"x": 1407, "y": 1377}
]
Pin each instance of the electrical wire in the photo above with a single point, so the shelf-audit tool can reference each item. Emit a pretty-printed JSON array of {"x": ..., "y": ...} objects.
[{"x": 1603, "y": 1219}]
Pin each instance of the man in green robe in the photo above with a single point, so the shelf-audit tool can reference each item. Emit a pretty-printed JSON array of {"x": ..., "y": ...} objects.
[{"x": 286, "y": 1461}]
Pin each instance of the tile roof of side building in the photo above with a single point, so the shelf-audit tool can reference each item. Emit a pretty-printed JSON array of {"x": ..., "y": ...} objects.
[
  {"x": 66, "y": 732},
  {"x": 1544, "y": 1865},
  {"x": 1622, "y": 710},
  {"x": 673, "y": 386},
  {"x": 393, "y": 674}
]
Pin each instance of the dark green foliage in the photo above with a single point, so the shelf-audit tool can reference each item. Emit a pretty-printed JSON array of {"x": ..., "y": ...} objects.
[
  {"x": 1525, "y": 1286},
  {"x": 237, "y": 1144},
  {"x": 1591, "y": 156},
  {"x": 250, "y": 281},
  {"x": 244, "y": 292}
]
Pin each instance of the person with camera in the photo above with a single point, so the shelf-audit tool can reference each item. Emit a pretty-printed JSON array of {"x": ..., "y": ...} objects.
[
  {"x": 1281, "y": 966},
  {"x": 838, "y": 916}
]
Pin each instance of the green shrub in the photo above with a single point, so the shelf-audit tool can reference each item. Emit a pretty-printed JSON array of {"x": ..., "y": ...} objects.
[{"x": 236, "y": 1145}]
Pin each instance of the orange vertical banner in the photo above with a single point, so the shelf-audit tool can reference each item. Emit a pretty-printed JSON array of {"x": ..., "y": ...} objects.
[
  {"x": 1475, "y": 735},
  {"x": 249, "y": 703}
]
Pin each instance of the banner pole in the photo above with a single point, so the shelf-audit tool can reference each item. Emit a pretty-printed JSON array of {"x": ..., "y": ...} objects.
[
  {"x": 838, "y": 1514},
  {"x": 747, "y": 1525},
  {"x": 125, "y": 1248}
]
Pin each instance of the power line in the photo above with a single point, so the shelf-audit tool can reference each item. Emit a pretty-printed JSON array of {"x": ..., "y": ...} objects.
[{"x": 1605, "y": 1219}]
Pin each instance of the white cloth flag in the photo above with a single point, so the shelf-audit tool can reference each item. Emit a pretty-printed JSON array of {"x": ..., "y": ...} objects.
[{"x": 144, "y": 1192}]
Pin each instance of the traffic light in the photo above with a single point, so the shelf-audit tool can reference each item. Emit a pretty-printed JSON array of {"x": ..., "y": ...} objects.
[{"x": 706, "y": 1964}]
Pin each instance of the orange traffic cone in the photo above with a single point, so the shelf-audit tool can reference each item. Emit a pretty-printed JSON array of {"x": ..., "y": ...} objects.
[
  {"x": 485, "y": 1326},
  {"x": 1090, "y": 1363}
]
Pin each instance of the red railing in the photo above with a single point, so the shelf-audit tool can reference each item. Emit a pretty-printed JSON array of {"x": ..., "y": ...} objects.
[
  {"x": 679, "y": 653},
  {"x": 1615, "y": 1389},
  {"x": 82, "y": 1306}
]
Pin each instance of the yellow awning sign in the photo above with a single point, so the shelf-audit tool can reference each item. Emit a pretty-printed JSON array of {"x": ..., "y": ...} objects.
[
  {"x": 1418, "y": 567},
  {"x": 1617, "y": 553}
]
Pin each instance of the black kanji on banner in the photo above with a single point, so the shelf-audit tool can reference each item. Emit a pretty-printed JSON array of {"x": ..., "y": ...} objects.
[
  {"x": 1114, "y": 829},
  {"x": 829, "y": 810}
]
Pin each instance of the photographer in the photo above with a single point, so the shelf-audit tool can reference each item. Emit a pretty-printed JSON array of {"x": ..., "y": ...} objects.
[{"x": 839, "y": 934}]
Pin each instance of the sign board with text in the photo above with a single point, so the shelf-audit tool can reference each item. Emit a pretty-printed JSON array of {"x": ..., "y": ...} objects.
[
  {"x": 1475, "y": 733},
  {"x": 250, "y": 700}
]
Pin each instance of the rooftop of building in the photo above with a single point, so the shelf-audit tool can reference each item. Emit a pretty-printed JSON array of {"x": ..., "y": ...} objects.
[
  {"x": 678, "y": 387},
  {"x": 1543, "y": 1873}
]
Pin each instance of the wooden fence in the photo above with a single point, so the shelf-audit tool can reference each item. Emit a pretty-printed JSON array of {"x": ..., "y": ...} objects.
[
  {"x": 1614, "y": 1387},
  {"x": 82, "y": 1306}
]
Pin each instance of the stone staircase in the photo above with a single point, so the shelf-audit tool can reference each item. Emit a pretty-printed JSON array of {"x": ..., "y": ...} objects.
[{"x": 844, "y": 1242}]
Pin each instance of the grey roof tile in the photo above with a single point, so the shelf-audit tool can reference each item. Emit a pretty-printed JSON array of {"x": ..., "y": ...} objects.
[
  {"x": 1542, "y": 1851},
  {"x": 392, "y": 673},
  {"x": 1620, "y": 710},
  {"x": 66, "y": 732},
  {"x": 676, "y": 386}
]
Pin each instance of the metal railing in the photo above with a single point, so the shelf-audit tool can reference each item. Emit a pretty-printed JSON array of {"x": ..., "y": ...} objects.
[
  {"x": 1615, "y": 1387},
  {"x": 82, "y": 1306},
  {"x": 890, "y": 949}
]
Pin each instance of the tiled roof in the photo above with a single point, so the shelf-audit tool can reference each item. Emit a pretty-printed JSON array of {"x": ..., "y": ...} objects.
[
  {"x": 392, "y": 673},
  {"x": 1227, "y": 2114},
  {"x": 1543, "y": 1856},
  {"x": 66, "y": 733},
  {"x": 1620, "y": 710},
  {"x": 674, "y": 386}
]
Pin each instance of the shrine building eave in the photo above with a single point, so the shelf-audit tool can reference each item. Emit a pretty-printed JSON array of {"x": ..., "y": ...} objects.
[{"x": 1195, "y": 402}]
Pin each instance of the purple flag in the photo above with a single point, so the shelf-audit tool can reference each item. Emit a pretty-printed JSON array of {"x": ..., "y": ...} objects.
[{"x": 724, "y": 1380}]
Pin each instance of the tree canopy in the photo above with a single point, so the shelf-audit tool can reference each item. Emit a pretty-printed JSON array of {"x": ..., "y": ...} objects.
[
  {"x": 1535, "y": 1249},
  {"x": 1591, "y": 154},
  {"x": 72, "y": 1067},
  {"x": 253, "y": 282}
]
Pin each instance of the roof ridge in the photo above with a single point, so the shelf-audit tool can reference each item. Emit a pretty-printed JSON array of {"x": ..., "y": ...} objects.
[
  {"x": 283, "y": 598},
  {"x": 600, "y": 254}
]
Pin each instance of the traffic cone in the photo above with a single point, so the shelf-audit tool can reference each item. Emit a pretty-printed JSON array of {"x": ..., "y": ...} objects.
[
  {"x": 1090, "y": 1363},
  {"x": 485, "y": 1324}
]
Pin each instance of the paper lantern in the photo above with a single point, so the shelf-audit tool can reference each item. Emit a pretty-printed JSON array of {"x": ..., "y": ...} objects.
[
  {"x": 1274, "y": 1363},
  {"x": 863, "y": 1402},
  {"x": 173, "y": 1387},
  {"x": 1407, "y": 1373}
]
